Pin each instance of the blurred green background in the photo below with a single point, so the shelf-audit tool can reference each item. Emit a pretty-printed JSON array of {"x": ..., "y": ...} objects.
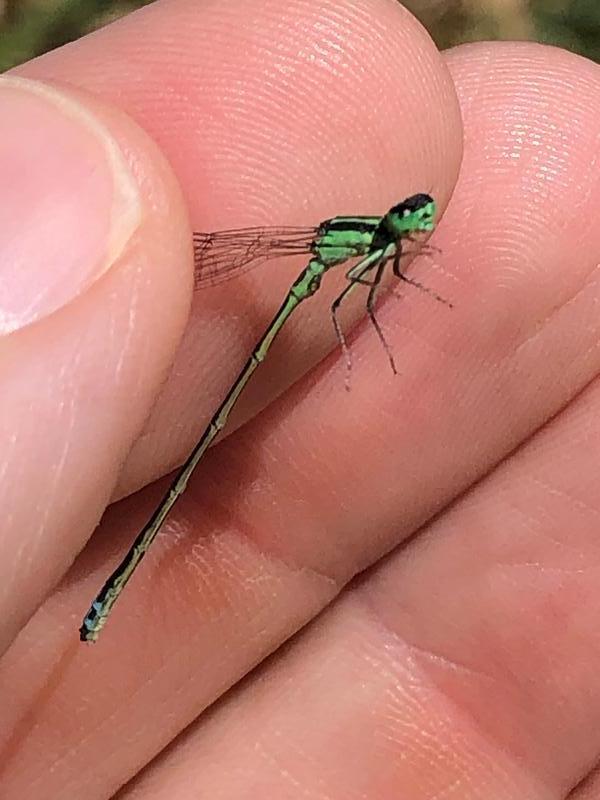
[{"x": 31, "y": 27}]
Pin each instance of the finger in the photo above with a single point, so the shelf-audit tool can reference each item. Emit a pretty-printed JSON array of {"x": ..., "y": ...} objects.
[
  {"x": 465, "y": 666},
  {"x": 588, "y": 789},
  {"x": 307, "y": 495},
  {"x": 89, "y": 257},
  {"x": 269, "y": 116}
]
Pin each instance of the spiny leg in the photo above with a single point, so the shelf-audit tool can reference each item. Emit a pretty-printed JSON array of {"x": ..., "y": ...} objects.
[
  {"x": 371, "y": 312},
  {"x": 399, "y": 274},
  {"x": 355, "y": 278},
  {"x": 335, "y": 306}
]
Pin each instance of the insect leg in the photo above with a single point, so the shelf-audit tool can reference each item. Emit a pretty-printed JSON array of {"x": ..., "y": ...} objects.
[
  {"x": 373, "y": 318},
  {"x": 399, "y": 274},
  {"x": 356, "y": 278}
]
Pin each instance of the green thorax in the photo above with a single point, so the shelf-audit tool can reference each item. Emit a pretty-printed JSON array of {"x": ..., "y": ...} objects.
[{"x": 343, "y": 238}]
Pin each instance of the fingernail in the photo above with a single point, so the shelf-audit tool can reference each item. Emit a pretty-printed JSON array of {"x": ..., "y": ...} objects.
[{"x": 69, "y": 201}]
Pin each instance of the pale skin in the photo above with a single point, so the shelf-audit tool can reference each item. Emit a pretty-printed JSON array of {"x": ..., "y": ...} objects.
[{"x": 465, "y": 664}]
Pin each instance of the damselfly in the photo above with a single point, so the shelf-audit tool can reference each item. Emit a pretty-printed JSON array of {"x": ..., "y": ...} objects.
[{"x": 375, "y": 241}]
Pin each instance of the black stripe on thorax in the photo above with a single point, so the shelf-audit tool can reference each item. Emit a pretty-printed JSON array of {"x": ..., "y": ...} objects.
[{"x": 352, "y": 224}]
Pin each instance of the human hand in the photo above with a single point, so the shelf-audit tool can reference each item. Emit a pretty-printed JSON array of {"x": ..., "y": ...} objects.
[{"x": 465, "y": 662}]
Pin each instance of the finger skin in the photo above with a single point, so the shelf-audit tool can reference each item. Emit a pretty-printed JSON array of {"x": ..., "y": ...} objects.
[
  {"x": 261, "y": 111},
  {"x": 78, "y": 385},
  {"x": 588, "y": 789},
  {"x": 466, "y": 665}
]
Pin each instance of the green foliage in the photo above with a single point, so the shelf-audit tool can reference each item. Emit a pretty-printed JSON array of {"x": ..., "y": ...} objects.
[
  {"x": 576, "y": 27},
  {"x": 31, "y": 27}
]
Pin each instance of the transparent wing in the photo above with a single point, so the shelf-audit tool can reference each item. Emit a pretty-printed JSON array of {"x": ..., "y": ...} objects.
[{"x": 222, "y": 255}]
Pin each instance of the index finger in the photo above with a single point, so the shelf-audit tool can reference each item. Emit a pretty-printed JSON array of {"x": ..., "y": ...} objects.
[{"x": 270, "y": 114}]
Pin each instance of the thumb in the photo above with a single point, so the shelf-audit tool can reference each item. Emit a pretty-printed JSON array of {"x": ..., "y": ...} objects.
[{"x": 95, "y": 283}]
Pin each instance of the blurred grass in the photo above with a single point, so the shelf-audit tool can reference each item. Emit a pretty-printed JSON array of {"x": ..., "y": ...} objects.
[{"x": 31, "y": 27}]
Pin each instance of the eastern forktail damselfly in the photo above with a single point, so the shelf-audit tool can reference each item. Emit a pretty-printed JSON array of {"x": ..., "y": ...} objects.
[{"x": 373, "y": 240}]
